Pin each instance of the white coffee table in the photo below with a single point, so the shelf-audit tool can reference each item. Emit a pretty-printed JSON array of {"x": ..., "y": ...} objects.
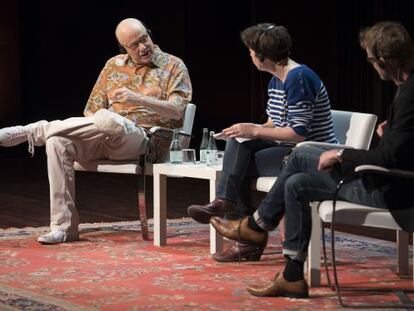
[{"x": 160, "y": 173}]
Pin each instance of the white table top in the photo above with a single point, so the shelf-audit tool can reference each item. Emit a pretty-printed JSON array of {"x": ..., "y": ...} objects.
[{"x": 187, "y": 170}]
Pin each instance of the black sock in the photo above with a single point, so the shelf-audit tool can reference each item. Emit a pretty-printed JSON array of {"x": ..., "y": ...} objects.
[
  {"x": 293, "y": 270},
  {"x": 253, "y": 225}
]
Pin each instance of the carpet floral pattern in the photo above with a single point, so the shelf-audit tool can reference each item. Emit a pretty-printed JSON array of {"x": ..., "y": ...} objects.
[{"x": 112, "y": 268}]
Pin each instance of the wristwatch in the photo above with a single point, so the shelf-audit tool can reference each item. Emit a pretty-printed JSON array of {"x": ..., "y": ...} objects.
[{"x": 339, "y": 154}]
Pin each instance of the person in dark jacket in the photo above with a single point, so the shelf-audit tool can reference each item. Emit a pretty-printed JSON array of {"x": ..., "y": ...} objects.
[{"x": 311, "y": 174}]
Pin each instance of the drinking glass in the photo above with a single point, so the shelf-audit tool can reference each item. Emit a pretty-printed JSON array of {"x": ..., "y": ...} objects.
[
  {"x": 189, "y": 156},
  {"x": 219, "y": 158}
]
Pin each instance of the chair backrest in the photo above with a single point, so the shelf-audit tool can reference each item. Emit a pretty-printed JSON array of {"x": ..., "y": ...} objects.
[
  {"x": 188, "y": 122},
  {"x": 354, "y": 129}
]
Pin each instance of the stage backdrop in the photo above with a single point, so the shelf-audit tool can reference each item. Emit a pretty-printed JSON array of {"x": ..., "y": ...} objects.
[{"x": 52, "y": 51}]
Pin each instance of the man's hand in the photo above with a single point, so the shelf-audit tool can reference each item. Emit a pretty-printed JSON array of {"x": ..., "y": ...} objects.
[
  {"x": 380, "y": 129},
  {"x": 246, "y": 130},
  {"x": 327, "y": 160},
  {"x": 124, "y": 95}
]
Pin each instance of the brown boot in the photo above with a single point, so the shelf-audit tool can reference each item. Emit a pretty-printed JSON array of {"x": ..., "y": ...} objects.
[
  {"x": 238, "y": 251},
  {"x": 238, "y": 230},
  {"x": 218, "y": 207},
  {"x": 280, "y": 287}
]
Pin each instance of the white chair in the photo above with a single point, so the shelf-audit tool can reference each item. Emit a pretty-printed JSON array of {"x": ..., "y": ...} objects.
[
  {"x": 341, "y": 212},
  {"x": 352, "y": 129},
  {"x": 141, "y": 167}
]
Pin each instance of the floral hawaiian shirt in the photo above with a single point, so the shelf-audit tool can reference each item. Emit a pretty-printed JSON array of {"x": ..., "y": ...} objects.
[{"x": 165, "y": 78}]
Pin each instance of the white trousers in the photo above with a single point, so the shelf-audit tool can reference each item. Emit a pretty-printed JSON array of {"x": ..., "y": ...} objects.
[{"x": 82, "y": 139}]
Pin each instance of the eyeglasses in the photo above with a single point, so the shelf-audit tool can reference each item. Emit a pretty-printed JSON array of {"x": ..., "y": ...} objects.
[{"x": 141, "y": 40}]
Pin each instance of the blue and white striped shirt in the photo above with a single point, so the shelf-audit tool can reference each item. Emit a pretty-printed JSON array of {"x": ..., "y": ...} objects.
[{"x": 301, "y": 103}]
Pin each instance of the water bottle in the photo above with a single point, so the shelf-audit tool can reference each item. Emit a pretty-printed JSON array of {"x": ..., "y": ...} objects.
[
  {"x": 176, "y": 154},
  {"x": 203, "y": 146},
  {"x": 211, "y": 150}
]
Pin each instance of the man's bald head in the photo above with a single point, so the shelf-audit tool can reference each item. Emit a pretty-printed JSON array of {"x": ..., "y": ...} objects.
[
  {"x": 133, "y": 36},
  {"x": 128, "y": 28}
]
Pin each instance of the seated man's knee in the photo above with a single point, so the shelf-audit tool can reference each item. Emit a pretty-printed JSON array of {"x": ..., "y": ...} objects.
[
  {"x": 304, "y": 153},
  {"x": 296, "y": 184},
  {"x": 307, "y": 150}
]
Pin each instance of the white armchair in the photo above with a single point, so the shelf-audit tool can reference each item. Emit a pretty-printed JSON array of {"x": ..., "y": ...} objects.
[
  {"x": 141, "y": 167},
  {"x": 352, "y": 129},
  {"x": 341, "y": 212}
]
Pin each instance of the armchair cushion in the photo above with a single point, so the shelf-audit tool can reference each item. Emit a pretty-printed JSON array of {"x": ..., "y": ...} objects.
[
  {"x": 398, "y": 193},
  {"x": 108, "y": 166},
  {"x": 355, "y": 214}
]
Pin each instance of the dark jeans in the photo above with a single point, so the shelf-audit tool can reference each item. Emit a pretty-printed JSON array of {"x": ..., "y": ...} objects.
[
  {"x": 298, "y": 184},
  {"x": 242, "y": 163}
]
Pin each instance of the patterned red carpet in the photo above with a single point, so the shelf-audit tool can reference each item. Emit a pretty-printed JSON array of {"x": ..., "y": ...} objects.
[{"x": 112, "y": 268}]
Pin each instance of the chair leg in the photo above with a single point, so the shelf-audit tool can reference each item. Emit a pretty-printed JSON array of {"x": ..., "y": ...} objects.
[
  {"x": 282, "y": 230},
  {"x": 314, "y": 249},
  {"x": 325, "y": 258},
  {"x": 142, "y": 207},
  {"x": 402, "y": 252},
  {"x": 406, "y": 302}
]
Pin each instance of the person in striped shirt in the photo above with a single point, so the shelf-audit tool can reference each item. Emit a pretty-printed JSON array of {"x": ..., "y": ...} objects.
[{"x": 298, "y": 109}]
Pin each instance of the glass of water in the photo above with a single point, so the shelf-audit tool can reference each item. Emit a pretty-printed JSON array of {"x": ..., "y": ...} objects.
[{"x": 189, "y": 156}]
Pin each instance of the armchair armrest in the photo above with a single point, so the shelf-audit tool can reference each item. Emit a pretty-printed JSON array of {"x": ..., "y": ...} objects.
[
  {"x": 384, "y": 171},
  {"x": 164, "y": 131},
  {"x": 323, "y": 145},
  {"x": 159, "y": 131}
]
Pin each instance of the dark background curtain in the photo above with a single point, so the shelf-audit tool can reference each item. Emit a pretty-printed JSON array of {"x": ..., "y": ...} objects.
[{"x": 51, "y": 53}]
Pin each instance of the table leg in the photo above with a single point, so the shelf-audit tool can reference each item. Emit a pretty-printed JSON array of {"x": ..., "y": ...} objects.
[
  {"x": 160, "y": 210},
  {"x": 216, "y": 240}
]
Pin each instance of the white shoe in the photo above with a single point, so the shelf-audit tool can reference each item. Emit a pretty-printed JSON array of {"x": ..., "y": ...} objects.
[
  {"x": 15, "y": 135},
  {"x": 57, "y": 236}
]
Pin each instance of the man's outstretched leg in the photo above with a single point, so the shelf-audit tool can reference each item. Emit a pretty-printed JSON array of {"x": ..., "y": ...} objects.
[{"x": 37, "y": 133}]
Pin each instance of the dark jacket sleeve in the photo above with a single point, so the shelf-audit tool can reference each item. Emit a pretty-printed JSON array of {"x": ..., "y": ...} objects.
[{"x": 395, "y": 149}]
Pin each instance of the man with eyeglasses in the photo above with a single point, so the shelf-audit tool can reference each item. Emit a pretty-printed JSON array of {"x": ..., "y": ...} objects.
[
  {"x": 311, "y": 173},
  {"x": 135, "y": 91}
]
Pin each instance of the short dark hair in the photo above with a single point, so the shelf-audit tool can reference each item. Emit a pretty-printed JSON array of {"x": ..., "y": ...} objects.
[
  {"x": 268, "y": 40},
  {"x": 389, "y": 40}
]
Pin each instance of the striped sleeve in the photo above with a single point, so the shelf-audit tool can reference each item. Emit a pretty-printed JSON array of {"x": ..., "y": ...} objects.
[
  {"x": 301, "y": 103},
  {"x": 300, "y": 100}
]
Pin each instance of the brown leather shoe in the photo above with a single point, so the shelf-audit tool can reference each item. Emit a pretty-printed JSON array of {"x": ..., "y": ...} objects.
[
  {"x": 280, "y": 287},
  {"x": 238, "y": 230},
  {"x": 218, "y": 207},
  {"x": 239, "y": 251}
]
